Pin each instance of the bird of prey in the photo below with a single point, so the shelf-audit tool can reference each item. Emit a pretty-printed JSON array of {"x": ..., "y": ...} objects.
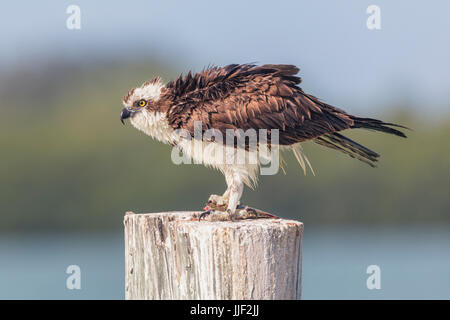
[{"x": 246, "y": 97}]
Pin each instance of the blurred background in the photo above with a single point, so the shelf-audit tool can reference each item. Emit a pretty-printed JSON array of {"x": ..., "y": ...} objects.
[{"x": 69, "y": 169}]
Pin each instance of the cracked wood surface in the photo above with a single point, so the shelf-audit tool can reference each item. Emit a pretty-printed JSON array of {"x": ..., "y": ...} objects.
[{"x": 171, "y": 255}]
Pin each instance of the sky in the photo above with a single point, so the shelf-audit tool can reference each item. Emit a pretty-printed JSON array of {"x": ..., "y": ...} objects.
[{"x": 341, "y": 60}]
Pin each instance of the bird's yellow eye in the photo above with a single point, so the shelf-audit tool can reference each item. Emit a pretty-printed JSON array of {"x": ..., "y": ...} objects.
[{"x": 142, "y": 103}]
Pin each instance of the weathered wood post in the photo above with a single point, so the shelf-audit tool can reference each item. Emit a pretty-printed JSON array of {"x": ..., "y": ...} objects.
[{"x": 171, "y": 255}]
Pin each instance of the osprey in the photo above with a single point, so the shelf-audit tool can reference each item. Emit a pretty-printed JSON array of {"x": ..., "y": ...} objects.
[{"x": 243, "y": 97}]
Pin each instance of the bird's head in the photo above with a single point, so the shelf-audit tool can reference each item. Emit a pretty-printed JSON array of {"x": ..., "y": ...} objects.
[{"x": 141, "y": 99}]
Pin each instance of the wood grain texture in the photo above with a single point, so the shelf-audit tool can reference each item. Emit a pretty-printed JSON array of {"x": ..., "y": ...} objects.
[{"x": 171, "y": 255}]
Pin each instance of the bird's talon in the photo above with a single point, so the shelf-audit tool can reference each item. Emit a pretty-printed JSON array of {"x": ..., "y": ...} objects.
[
  {"x": 205, "y": 213},
  {"x": 230, "y": 214}
]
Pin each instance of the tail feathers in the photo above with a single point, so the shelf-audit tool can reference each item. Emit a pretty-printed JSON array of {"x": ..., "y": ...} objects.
[
  {"x": 345, "y": 145},
  {"x": 378, "y": 125},
  {"x": 339, "y": 142}
]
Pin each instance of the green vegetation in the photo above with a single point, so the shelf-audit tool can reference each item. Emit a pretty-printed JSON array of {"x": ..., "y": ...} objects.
[{"x": 68, "y": 163}]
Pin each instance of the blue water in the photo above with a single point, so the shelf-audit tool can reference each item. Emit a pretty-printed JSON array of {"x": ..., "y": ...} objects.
[{"x": 414, "y": 263}]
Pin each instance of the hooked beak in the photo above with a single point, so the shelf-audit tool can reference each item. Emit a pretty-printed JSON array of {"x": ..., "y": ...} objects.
[{"x": 125, "y": 114}]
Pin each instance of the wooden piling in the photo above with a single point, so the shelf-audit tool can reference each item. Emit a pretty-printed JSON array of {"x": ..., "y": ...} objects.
[{"x": 171, "y": 255}]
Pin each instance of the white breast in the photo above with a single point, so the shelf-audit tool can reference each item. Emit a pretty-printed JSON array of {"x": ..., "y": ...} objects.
[{"x": 213, "y": 154}]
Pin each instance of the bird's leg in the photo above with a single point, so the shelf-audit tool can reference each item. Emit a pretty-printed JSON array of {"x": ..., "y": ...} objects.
[
  {"x": 221, "y": 202},
  {"x": 237, "y": 211},
  {"x": 224, "y": 207},
  {"x": 236, "y": 188},
  {"x": 215, "y": 209}
]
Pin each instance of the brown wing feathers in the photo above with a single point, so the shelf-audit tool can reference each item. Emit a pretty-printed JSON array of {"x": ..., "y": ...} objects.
[{"x": 264, "y": 97}]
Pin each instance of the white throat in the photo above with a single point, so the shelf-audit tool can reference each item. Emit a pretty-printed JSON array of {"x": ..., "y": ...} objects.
[{"x": 154, "y": 124}]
